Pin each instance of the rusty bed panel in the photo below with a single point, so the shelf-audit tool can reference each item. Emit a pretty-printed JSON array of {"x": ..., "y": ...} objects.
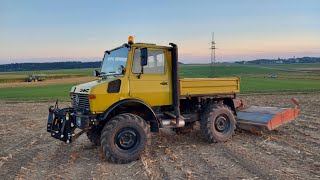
[{"x": 255, "y": 117}]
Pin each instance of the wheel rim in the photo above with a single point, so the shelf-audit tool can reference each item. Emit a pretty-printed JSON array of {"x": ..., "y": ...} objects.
[
  {"x": 127, "y": 139},
  {"x": 222, "y": 124}
]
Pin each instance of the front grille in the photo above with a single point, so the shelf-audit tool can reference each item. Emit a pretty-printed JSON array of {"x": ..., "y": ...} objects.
[{"x": 80, "y": 101}]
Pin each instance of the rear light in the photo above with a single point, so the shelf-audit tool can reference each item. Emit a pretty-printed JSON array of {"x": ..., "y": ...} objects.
[{"x": 92, "y": 96}]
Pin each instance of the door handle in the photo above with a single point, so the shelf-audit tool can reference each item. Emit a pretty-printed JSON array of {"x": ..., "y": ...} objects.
[{"x": 164, "y": 83}]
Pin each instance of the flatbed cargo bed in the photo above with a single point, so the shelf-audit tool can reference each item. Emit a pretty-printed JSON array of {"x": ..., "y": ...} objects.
[{"x": 209, "y": 86}]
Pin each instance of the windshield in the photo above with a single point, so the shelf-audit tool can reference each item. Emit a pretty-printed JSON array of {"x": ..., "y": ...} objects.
[{"x": 115, "y": 62}]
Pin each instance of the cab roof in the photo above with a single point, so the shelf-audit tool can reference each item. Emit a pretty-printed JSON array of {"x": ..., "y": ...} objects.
[{"x": 150, "y": 45}]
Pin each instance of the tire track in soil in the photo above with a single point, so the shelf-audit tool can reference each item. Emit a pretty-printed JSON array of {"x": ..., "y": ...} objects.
[
  {"x": 306, "y": 152},
  {"x": 151, "y": 161},
  {"x": 306, "y": 126},
  {"x": 305, "y": 137},
  {"x": 290, "y": 161},
  {"x": 228, "y": 162},
  {"x": 91, "y": 155},
  {"x": 256, "y": 162},
  {"x": 261, "y": 172},
  {"x": 280, "y": 154},
  {"x": 58, "y": 160},
  {"x": 172, "y": 162},
  {"x": 210, "y": 164},
  {"x": 302, "y": 156},
  {"x": 205, "y": 161},
  {"x": 76, "y": 161},
  {"x": 26, "y": 157},
  {"x": 20, "y": 139},
  {"x": 169, "y": 164},
  {"x": 83, "y": 160},
  {"x": 20, "y": 154},
  {"x": 294, "y": 133},
  {"x": 37, "y": 167},
  {"x": 305, "y": 119}
]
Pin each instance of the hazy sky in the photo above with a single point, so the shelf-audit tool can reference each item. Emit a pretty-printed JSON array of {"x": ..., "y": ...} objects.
[{"x": 44, "y": 30}]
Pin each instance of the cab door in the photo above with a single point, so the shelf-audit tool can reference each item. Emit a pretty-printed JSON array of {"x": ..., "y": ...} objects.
[{"x": 153, "y": 84}]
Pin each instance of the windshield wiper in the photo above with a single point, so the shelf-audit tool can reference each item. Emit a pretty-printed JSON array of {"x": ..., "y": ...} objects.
[{"x": 111, "y": 73}]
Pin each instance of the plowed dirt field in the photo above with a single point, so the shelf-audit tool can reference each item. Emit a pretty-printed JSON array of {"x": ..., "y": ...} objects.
[{"x": 291, "y": 152}]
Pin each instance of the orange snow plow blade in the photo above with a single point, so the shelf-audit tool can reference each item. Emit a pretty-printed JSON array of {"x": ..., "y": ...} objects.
[{"x": 261, "y": 118}]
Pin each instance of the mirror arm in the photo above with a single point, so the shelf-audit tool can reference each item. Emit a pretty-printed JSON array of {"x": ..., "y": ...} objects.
[
  {"x": 139, "y": 75},
  {"x": 97, "y": 73}
]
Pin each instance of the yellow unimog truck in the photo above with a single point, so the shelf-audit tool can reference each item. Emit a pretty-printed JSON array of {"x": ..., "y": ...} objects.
[{"x": 139, "y": 91}]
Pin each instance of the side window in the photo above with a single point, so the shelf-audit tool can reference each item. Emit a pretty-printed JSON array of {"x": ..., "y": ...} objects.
[
  {"x": 136, "y": 68},
  {"x": 156, "y": 60}
]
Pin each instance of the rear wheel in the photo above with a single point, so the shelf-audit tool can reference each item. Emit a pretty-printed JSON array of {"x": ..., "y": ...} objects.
[
  {"x": 124, "y": 138},
  {"x": 217, "y": 123}
]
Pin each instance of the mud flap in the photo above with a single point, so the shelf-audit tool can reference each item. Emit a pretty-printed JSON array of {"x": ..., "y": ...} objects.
[{"x": 265, "y": 118}]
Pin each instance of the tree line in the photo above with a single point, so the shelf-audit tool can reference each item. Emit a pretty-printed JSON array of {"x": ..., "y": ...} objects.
[
  {"x": 48, "y": 66},
  {"x": 283, "y": 61}
]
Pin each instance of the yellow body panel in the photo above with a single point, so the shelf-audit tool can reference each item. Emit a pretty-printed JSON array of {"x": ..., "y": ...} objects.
[
  {"x": 104, "y": 99},
  {"x": 204, "y": 86},
  {"x": 150, "y": 88}
]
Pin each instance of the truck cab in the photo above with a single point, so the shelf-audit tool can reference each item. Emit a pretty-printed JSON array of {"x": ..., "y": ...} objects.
[{"x": 122, "y": 77}]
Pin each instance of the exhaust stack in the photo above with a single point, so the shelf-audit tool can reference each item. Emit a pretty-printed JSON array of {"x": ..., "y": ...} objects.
[{"x": 175, "y": 82}]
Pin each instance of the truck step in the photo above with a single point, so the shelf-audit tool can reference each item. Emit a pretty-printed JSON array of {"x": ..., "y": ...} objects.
[{"x": 265, "y": 118}]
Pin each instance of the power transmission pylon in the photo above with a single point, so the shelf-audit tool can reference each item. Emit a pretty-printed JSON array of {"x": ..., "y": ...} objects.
[{"x": 213, "y": 55}]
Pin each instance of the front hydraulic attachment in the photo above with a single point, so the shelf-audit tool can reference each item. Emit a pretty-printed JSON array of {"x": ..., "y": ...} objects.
[{"x": 61, "y": 123}]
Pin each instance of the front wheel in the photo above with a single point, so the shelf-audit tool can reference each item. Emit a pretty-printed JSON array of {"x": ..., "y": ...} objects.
[
  {"x": 124, "y": 137},
  {"x": 217, "y": 123},
  {"x": 94, "y": 134}
]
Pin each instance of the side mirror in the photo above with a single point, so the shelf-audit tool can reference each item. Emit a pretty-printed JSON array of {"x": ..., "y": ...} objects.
[
  {"x": 144, "y": 57},
  {"x": 96, "y": 73}
]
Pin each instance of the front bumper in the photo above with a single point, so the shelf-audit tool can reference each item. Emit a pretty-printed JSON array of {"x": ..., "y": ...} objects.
[{"x": 63, "y": 122}]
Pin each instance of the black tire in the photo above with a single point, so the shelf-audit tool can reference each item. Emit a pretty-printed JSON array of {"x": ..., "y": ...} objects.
[
  {"x": 94, "y": 135},
  {"x": 217, "y": 123},
  {"x": 124, "y": 138}
]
